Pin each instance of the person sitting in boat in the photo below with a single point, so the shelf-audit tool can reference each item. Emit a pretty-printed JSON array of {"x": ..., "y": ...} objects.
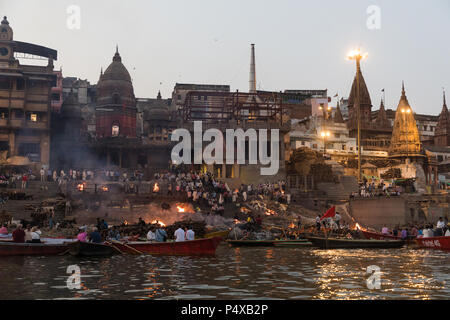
[
  {"x": 440, "y": 227},
  {"x": 190, "y": 234},
  {"x": 151, "y": 235},
  {"x": 35, "y": 235},
  {"x": 160, "y": 234},
  {"x": 95, "y": 236},
  {"x": 385, "y": 230},
  {"x": 18, "y": 235},
  {"x": 4, "y": 230},
  {"x": 179, "y": 235},
  {"x": 28, "y": 237},
  {"x": 82, "y": 235},
  {"x": 447, "y": 233},
  {"x": 114, "y": 234},
  {"x": 404, "y": 234}
]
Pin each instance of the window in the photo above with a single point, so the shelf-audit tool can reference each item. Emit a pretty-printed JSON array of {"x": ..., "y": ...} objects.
[
  {"x": 33, "y": 117},
  {"x": 199, "y": 98},
  {"x": 20, "y": 84},
  {"x": 5, "y": 84},
  {"x": 179, "y": 97},
  {"x": 205, "y": 98},
  {"x": 315, "y": 145},
  {"x": 55, "y": 96},
  {"x": 115, "y": 130}
]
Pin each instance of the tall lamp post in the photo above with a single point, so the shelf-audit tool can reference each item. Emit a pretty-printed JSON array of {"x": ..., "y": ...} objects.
[
  {"x": 324, "y": 135},
  {"x": 358, "y": 56}
]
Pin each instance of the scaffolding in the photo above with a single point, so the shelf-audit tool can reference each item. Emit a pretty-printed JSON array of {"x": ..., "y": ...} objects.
[{"x": 228, "y": 106}]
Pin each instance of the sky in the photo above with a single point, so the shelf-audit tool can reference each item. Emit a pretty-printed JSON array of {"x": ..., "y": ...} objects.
[{"x": 299, "y": 44}]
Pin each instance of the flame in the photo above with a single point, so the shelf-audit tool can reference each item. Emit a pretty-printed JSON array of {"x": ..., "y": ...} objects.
[
  {"x": 80, "y": 187},
  {"x": 104, "y": 188},
  {"x": 270, "y": 212},
  {"x": 125, "y": 222},
  {"x": 236, "y": 221},
  {"x": 181, "y": 209},
  {"x": 358, "y": 227},
  {"x": 292, "y": 225},
  {"x": 156, "y": 188},
  {"x": 162, "y": 224}
]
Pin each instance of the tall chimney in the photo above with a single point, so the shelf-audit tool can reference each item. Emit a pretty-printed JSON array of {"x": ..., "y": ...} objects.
[{"x": 252, "y": 82}]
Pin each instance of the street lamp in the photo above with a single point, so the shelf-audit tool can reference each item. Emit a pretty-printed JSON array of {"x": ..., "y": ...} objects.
[
  {"x": 324, "y": 135},
  {"x": 358, "y": 56}
]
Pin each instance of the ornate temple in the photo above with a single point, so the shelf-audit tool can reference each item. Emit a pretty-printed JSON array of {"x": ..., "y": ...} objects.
[
  {"x": 375, "y": 135},
  {"x": 442, "y": 133},
  {"x": 405, "y": 142}
]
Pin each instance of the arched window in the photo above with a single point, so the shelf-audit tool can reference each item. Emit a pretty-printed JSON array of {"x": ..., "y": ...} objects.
[{"x": 115, "y": 130}]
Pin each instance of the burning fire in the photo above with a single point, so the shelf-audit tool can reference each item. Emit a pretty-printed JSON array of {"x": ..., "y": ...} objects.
[
  {"x": 104, "y": 188},
  {"x": 80, "y": 187},
  {"x": 162, "y": 224},
  {"x": 270, "y": 212},
  {"x": 125, "y": 222},
  {"x": 156, "y": 188},
  {"x": 292, "y": 225},
  {"x": 358, "y": 227},
  {"x": 181, "y": 209}
]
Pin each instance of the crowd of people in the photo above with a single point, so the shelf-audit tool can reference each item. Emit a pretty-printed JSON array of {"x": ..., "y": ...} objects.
[
  {"x": 205, "y": 190},
  {"x": 380, "y": 189},
  {"x": 442, "y": 228}
]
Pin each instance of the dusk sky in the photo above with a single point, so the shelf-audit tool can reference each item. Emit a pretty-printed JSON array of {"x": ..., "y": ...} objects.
[{"x": 299, "y": 44}]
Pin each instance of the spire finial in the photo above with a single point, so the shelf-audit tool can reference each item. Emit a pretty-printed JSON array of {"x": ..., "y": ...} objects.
[
  {"x": 159, "y": 95},
  {"x": 117, "y": 48},
  {"x": 5, "y": 20},
  {"x": 443, "y": 93}
]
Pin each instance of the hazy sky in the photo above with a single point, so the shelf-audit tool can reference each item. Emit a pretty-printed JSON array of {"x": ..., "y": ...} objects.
[{"x": 299, "y": 44}]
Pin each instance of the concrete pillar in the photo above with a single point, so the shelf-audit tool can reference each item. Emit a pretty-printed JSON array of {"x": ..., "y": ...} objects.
[{"x": 12, "y": 144}]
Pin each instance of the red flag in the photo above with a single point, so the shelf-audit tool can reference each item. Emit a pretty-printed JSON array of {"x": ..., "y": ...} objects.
[{"x": 329, "y": 214}]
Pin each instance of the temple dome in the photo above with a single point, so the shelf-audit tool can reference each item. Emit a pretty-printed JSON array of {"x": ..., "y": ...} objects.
[
  {"x": 115, "y": 86},
  {"x": 159, "y": 110}
]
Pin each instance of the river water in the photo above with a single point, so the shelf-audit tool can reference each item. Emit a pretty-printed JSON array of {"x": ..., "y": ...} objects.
[{"x": 234, "y": 273}]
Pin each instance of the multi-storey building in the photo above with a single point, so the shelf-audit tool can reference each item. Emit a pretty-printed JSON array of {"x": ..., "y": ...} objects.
[{"x": 25, "y": 98}]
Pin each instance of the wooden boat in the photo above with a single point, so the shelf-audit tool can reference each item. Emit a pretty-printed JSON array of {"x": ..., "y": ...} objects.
[
  {"x": 442, "y": 243},
  {"x": 9, "y": 248},
  {"x": 182, "y": 248},
  {"x": 380, "y": 236},
  {"x": 335, "y": 243},
  {"x": 222, "y": 234},
  {"x": 261, "y": 243},
  {"x": 90, "y": 249}
]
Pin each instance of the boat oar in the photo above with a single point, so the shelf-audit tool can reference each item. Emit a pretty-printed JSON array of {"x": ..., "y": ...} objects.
[
  {"x": 127, "y": 246},
  {"x": 64, "y": 253},
  {"x": 117, "y": 249}
]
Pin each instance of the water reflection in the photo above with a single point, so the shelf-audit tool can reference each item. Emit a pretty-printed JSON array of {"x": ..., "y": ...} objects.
[{"x": 234, "y": 273}]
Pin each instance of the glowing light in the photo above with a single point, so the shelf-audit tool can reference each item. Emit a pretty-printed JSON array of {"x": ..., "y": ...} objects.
[
  {"x": 181, "y": 209},
  {"x": 80, "y": 187},
  {"x": 356, "y": 54},
  {"x": 162, "y": 224},
  {"x": 104, "y": 188},
  {"x": 325, "y": 134},
  {"x": 156, "y": 188}
]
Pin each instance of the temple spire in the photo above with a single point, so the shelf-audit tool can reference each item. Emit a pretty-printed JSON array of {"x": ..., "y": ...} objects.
[
  {"x": 252, "y": 81},
  {"x": 443, "y": 93},
  {"x": 338, "y": 115},
  {"x": 159, "y": 95}
]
